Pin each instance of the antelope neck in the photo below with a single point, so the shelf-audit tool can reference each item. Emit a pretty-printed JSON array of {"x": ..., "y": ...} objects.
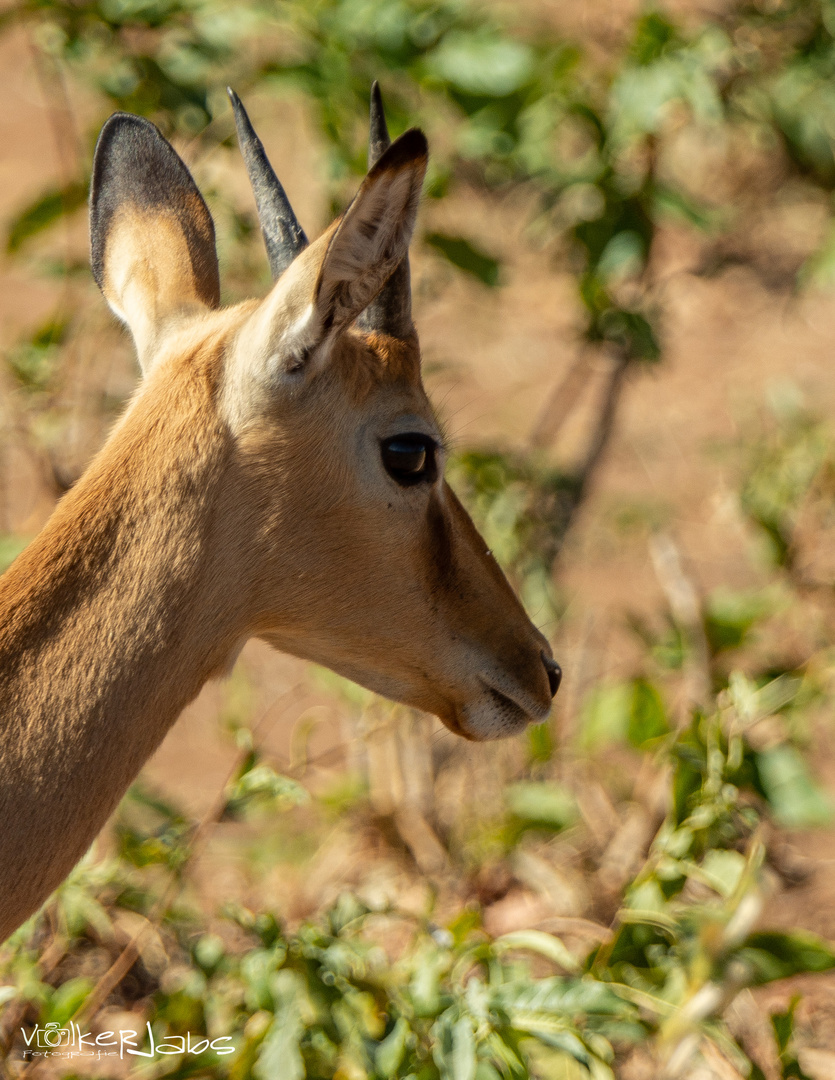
[{"x": 110, "y": 623}]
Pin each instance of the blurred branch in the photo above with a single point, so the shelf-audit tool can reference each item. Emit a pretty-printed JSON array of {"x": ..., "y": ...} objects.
[
  {"x": 605, "y": 423},
  {"x": 401, "y": 783},
  {"x": 561, "y": 402},
  {"x": 602, "y": 429},
  {"x": 69, "y": 149},
  {"x": 686, "y": 609},
  {"x": 65, "y": 137},
  {"x": 422, "y": 840}
]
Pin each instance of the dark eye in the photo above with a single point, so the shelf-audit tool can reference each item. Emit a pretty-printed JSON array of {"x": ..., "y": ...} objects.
[{"x": 410, "y": 458}]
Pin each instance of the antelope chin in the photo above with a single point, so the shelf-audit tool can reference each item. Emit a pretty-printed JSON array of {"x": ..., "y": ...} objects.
[{"x": 494, "y": 715}]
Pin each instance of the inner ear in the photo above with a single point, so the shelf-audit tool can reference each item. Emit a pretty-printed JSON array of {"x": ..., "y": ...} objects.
[
  {"x": 372, "y": 238},
  {"x": 152, "y": 236}
]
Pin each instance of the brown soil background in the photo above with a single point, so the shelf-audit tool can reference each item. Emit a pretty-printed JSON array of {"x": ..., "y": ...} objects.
[{"x": 491, "y": 359}]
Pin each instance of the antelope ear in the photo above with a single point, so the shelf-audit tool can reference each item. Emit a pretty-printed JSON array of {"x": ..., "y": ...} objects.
[
  {"x": 372, "y": 237},
  {"x": 152, "y": 236},
  {"x": 330, "y": 282}
]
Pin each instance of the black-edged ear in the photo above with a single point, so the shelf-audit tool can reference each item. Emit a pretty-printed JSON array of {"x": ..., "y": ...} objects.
[
  {"x": 330, "y": 282},
  {"x": 373, "y": 236},
  {"x": 152, "y": 236},
  {"x": 391, "y": 309}
]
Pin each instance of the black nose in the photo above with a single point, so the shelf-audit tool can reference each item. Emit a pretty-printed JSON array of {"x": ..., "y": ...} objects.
[{"x": 554, "y": 673}]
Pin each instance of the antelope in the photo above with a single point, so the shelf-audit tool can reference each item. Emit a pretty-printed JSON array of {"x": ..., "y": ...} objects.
[{"x": 278, "y": 473}]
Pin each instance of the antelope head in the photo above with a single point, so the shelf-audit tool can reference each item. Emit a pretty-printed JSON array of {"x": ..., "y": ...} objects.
[{"x": 344, "y": 544}]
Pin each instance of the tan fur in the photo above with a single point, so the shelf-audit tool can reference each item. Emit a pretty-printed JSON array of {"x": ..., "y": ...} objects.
[
  {"x": 148, "y": 279},
  {"x": 239, "y": 496}
]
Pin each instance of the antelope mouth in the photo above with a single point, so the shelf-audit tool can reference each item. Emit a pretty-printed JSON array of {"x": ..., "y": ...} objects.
[
  {"x": 494, "y": 714},
  {"x": 511, "y": 711}
]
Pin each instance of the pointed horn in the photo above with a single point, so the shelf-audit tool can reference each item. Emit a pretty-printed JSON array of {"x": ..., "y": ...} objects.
[
  {"x": 391, "y": 310},
  {"x": 379, "y": 139},
  {"x": 283, "y": 235}
]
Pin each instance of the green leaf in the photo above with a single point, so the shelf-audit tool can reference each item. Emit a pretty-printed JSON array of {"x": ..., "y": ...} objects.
[
  {"x": 541, "y": 804},
  {"x": 279, "y": 1053},
  {"x": 463, "y": 1050},
  {"x": 774, "y": 955},
  {"x": 262, "y": 787},
  {"x": 66, "y": 1001},
  {"x": 466, "y": 257},
  {"x": 257, "y": 967},
  {"x": 550, "y": 1064},
  {"x": 481, "y": 62},
  {"x": 803, "y": 104},
  {"x": 34, "y": 361},
  {"x": 647, "y": 715},
  {"x": 622, "y": 257},
  {"x": 566, "y": 1041},
  {"x": 81, "y": 910},
  {"x": 783, "y": 1024},
  {"x": 796, "y": 800},
  {"x": 723, "y": 870},
  {"x": 643, "y": 97},
  {"x": 540, "y": 742},
  {"x": 645, "y": 900},
  {"x": 42, "y": 213},
  {"x": 390, "y": 1052},
  {"x": 653, "y": 34},
  {"x": 528, "y": 1001},
  {"x": 629, "y": 329},
  {"x": 209, "y": 951},
  {"x": 347, "y": 909},
  {"x": 424, "y": 989},
  {"x": 536, "y": 941},
  {"x": 605, "y": 716},
  {"x": 730, "y": 616}
]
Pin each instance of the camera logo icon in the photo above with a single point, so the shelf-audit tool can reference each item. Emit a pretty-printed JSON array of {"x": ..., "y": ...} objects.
[{"x": 52, "y": 1036}]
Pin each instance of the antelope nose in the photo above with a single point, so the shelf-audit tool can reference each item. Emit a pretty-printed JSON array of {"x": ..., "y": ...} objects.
[{"x": 554, "y": 673}]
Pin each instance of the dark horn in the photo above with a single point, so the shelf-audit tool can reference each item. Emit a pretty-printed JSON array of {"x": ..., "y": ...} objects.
[
  {"x": 391, "y": 310},
  {"x": 379, "y": 139},
  {"x": 283, "y": 236}
]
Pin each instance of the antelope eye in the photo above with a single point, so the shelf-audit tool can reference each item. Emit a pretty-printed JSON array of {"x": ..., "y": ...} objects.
[{"x": 410, "y": 458}]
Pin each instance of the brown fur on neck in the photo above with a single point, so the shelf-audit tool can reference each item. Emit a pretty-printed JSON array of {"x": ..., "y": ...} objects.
[{"x": 104, "y": 601}]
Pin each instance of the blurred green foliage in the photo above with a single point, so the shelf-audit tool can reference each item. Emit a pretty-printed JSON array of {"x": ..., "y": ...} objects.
[
  {"x": 788, "y": 458},
  {"x": 522, "y": 506},
  {"x": 594, "y": 143},
  {"x": 327, "y": 1002},
  {"x": 632, "y": 712},
  {"x": 507, "y": 104},
  {"x": 34, "y": 362},
  {"x": 10, "y": 547}
]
